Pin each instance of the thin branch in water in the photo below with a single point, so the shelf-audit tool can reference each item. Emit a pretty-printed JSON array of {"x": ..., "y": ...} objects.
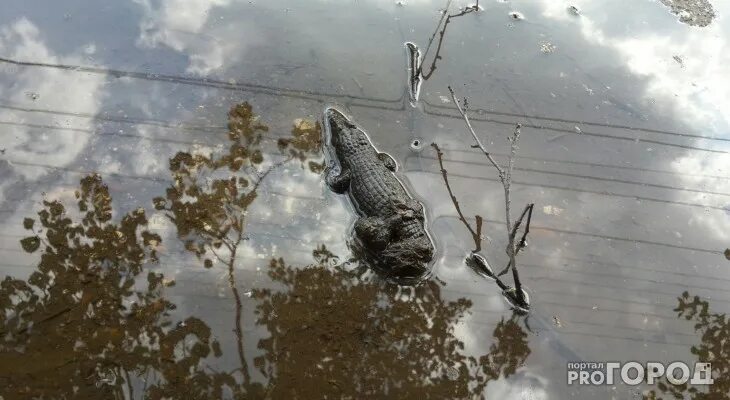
[
  {"x": 507, "y": 183},
  {"x": 523, "y": 241},
  {"x": 513, "y": 148},
  {"x": 430, "y": 41},
  {"x": 513, "y": 234},
  {"x": 474, "y": 135},
  {"x": 475, "y": 233},
  {"x": 416, "y": 76},
  {"x": 505, "y": 177},
  {"x": 479, "y": 264},
  {"x": 441, "y": 34}
]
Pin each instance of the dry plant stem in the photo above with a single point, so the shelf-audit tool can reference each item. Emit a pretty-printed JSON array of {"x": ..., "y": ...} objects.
[
  {"x": 430, "y": 41},
  {"x": 513, "y": 234},
  {"x": 445, "y": 19},
  {"x": 501, "y": 284},
  {"x": 474, "y": 135},
  {"x": 505, "y": 177},
  {"x": 476, "y": 234},
  {"x": 523, "y": 241}
]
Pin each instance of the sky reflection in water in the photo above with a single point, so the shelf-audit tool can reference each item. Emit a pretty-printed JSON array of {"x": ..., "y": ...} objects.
[{"x": 624, "y": 152}]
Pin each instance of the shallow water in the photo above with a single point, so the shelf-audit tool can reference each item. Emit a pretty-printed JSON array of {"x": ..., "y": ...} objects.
[{"x": 135, "y": 116}]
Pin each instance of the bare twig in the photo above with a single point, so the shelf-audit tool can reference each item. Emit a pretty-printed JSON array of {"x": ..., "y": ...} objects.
[
  {"x": 430, "y": 41},
  {"x": 506, "y": 184},
  {"x": 479, "y": 264},
  {"x": 474, "y": 135},
  {"x": 513, "y": 234},
  {"x": 416, "y": 59},
  {"x": 475, "y": 233},
  {"x": 505, "y": 177},
  {"x": 523, "y": 241},
  {"x": 445, "y": 19}
]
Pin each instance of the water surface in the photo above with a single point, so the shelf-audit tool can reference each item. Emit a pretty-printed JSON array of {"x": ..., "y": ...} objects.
[{"x": 182, "y": 243}]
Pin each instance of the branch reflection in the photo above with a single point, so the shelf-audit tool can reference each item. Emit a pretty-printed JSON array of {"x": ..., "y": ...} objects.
[{"x": 211, "y": 193}]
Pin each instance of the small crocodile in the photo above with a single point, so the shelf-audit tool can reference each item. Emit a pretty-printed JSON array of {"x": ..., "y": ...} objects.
[{"x": 391, "y": 228}]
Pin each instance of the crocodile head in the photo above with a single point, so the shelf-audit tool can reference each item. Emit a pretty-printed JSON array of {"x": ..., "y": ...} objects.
[
  {"x": 346, "y": 138},
  {"x": 408, "y": 258}
]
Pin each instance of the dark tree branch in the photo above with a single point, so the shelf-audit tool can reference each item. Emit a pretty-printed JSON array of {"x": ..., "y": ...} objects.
[
  {"x": 445, "y": 19},
  {"x": 523, "y": 241},
  {"x": 505, "y": 177},
  {"x": 476, "y": 234}
]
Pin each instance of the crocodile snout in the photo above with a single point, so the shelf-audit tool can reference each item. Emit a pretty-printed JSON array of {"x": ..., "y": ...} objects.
[
  {"x": 339, "y": 124},
  {"x": 336, "y": 117}
]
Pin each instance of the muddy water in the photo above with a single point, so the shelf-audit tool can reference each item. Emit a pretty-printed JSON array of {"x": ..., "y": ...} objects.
[{"x": 166, "y": 232}]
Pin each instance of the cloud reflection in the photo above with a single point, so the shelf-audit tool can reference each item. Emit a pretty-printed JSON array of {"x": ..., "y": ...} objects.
[
  {"x": 185, "y": 26},
  {"x": 47, "y": 88},
  {"x": 686, "y": 68}
]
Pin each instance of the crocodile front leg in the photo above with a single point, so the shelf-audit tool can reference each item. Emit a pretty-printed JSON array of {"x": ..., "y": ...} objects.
[
  {"x": 410, "y": 209},
  {"x": 388, "y": 161},
  {"x": 339, "y": 183},
  {"x": 374, "y": 232}
]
